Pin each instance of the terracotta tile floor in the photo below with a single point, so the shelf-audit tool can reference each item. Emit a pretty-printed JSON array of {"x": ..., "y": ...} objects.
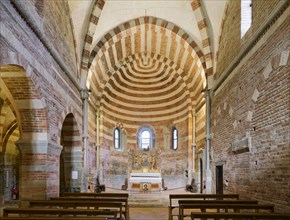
[
  {"x": 143, "y": 206},
  {"x": 148, "y": 213}
]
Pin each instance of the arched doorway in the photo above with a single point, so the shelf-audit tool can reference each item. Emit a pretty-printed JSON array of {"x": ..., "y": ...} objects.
[
  {"x": 9, "y": 135},
  {"x": 71, "y": 156}
]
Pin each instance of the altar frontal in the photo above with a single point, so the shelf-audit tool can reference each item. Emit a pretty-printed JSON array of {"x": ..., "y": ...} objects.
[{"x": 145, "y": 170}]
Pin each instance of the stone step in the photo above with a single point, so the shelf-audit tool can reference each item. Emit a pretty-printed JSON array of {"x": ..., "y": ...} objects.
[{"x": 148, "y": 200}]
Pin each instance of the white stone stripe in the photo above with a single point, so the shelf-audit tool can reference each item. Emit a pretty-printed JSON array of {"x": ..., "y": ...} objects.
[
  {"x": 193, "y": 79},
  {"x": 151, "y": 119},
  {"x": 146, "y": 77},
  {"x": 168, "y": 45},
  {"x": 95, "y": 76},
  {"x": 208, "y": 64},
  {"x": 267, "y": 71},
  {"x": 103, "y": 72},
  {"x": 72, "y": 138},
  {"x": 13, "y": 74},
  {"x": 97, "y": 12},
  {"x": 123, "y": 47},
  {"x": 148, "y": 86},
  {"x": 206, "y": 50},
  {"x": 183, "y": 58},
  {"x": 160, "y": 104},
  {"x": 198, "y": 14},
  {"x": 255, "y": 95},
  {"x": 165, "y": 110},
  {"x": 132, "y": 42},
  {"x": 249, "y": 116},
  {"x": 30, "y": 104},
  {"x": 176, "y": 55},
  {"x": 39, "y": 136},
  {"x": 200, "y": 86},
  {"x": 159, "y": 98},
  {"x": 91, "y": 29},
  {"x": 199, "y": 98},
  {"x": 149, "y": 68},
  {"x": 107, "y": 58},
  {"x": 152, "y": 92},
  {"x": 132, "y": 126},
  {"x": 149, "y": 40},
  {"x": 152, "y": 72},
  {"x": 284, "y": 58},
  {"x": 142, "y": 34},
  {"x": 158, "y": 39}
]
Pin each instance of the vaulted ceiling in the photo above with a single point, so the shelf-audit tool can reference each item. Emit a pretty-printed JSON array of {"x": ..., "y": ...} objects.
[{"x": 146, "y": 61}]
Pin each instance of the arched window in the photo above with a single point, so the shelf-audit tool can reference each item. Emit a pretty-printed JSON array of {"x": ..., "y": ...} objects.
[
  {"x": 146, "y": 138},
  {"x": 174, "y": 138},
  {"x": 246, "y": 16},
  {"x": 117, "y": 138},
  {"x": 120, "y": 138}
]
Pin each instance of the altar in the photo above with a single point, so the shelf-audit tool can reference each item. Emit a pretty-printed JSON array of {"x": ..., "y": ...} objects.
[
  {"x": 144, "y": 169},
  {"x": 145, "y": 180}
]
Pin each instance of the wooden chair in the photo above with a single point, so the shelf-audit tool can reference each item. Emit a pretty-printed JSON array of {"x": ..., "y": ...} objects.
[
  {"x": 99, "y": 187},
  {"x": 125, "y": 186},
  {"x": 163, "y": 185},
  {"x": 192, "y": 187}
]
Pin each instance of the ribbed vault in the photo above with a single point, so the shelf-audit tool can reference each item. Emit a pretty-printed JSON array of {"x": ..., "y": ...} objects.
[{"x": 146, "y": 70}]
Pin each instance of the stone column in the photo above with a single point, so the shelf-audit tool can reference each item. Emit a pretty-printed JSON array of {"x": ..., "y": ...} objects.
[
  {"x": 97, "y": 142},
  {"x": 84, "y": 96},
  {"x": 189, "y": 156},
  {"x": 208, "y": 143},
  {"x": 2, "y": 183},
  {"x": 193, "y": 145}
]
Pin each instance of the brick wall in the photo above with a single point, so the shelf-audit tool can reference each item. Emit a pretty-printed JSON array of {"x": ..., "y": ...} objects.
[
  {"x": 44, "y": 94},
  {"x": 230, "y": 40},
  {"x": 51, "y": 18},
  {"x": 250, "y": 122},
  {"x": 114, "y": 163}
]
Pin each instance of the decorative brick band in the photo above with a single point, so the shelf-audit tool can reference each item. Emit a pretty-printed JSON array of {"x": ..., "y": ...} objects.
[
  {"x": 94, "y": 19},
  {"x": 204, "y": 32}
]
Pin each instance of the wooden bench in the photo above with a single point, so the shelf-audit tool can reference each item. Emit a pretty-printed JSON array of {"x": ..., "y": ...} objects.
[
  {"x": 84, "y": 194},
  {"x": 37, "y": 212},
  {"x": 55, "y": 218},
  {"x": 177, "y": 197},
  {"x": 195, "y": 201},
  {"x": 223, "y": 206},
  {"x": 248, "y": 216},
  {"x": 106, "y": 198},
  {"x": 97, "y": 204}
]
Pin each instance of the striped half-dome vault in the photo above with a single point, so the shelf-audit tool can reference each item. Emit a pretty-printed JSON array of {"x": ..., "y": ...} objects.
[{"x": 146, "y": 70}]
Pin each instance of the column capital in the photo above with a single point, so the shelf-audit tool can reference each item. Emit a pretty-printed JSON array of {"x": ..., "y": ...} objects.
[
  {"x": 206, "y": 92},
  {"x": 193, "y": 113},
  {"x": 85, "y": 93}
]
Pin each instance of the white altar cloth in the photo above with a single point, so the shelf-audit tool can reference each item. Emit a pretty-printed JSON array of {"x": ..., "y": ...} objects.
[{"x": 145, "y": 178}]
